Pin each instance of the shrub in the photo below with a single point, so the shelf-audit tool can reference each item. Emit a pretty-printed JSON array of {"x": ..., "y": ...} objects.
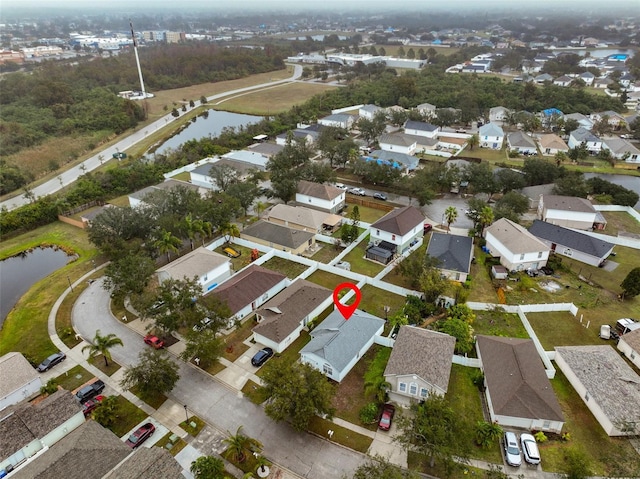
[
  {"x": 540, "y": 437},
  {"x": 50, "y": 387},
  {"x": 369, "y": 413}
]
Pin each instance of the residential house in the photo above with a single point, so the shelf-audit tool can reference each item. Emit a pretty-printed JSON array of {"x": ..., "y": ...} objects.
[
  {"x": 247, "y": 159},
  {"x": 308, "y": 135},
  {"x": 427, "y": 110},
  {"x": 413, "y": 380},
  {"x": 266, "y": 233},
  {"x": 622, "y": 149},
  {"x": 602, "y": 82},
  {"x": 564, "y": 80},
  {"x": 147, "y": 463},
  {"x": 421, "y": 128},
  {"x": 567, "y": 211},
  {"x": 205, "y": 175},
  {"x": 499, "y": 114},
  {"x": 337, "y": 344},
  {"x": 518, "y": 391},
  {"x": 551, "y": 144},
  {"x": 583, "y": 121},
  {"x": 587, "y": 78},
  {"x": 517, "y": 249},
  {"x": 584, "y": 136},
  {"x": 491, "y": 136},
  {"x": 399, "y": 228},
  {"x": 209, "y": 267},
  {"x": 160, "y": 191},
  {"x": 606, "y": 384},
  {"x": 454, "y": 254},
  {"x": 340, "y": 120},
  {"x": 28, "y": 428},
  {"x": 18, "y": 380},
  {"x": 268, "y": 150},
  {"x": 369, "y": 111},
  {"x": 281, "y": 319},
  {"x": 543, "y": 78},
  {"x": 573, "y": 244},
  {"x": 626, "y": 80},
  {"x": 533, "y": 193},
  {"x": 249, "y": 289},
  {"x": 304, "y": 219},
  {"x": 321, "y": 196},
  {"x": 398, "y": 142},
  {"x": 614, "y": 119},
  {"x": 522, "y": 143},
  {"x": 629, "y": 345},
  {"x": 396, "y": 159}
]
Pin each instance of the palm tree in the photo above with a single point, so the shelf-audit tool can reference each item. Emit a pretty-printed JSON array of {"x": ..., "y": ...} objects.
[
  {"x": 262, "y": 463},
  {"x": 207, "y": 467},
  {"x": 193, "y": 228},
  {"x": 473, "y": 141},
  {"x": 239, "y": 444},
  {"x": 102, "y": 345},
  {"x": 167, "y": 243},
  {"x": 485, "y": 218},
  {"x": 230, "y": 230},
  {"x": 259, "y": 207},
  {"x": 450, "y": 214}
]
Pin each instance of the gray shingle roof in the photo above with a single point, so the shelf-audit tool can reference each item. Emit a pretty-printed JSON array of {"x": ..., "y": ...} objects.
[
  {"x": 453, "y": 251},
  {"x": 339, "y": 341},
  {"x": 198, "y": 262},
  {"x": 567, "y": 203},
  {"x": 420, "y": 125},
  {"x": 571, "y": 239},
  {"x": 148, "y": 463},
  {"x": 400, "y": 221},
  {"x": 516, "y": 379},
  {"x": 247, "y": 286},
  {"x": 15, "y": 372},
  {"x": 434, "y": 350},
  {"x": 283, "y": 313},
  {"x": 490, "y": 129},
  {"x": 88, "y": 452},
  {"x": 398, "y": 139},
  {"x": 521, "y": 140},
  {"x": 582, "y": 134},
  {"x": 276, "y": 234}
]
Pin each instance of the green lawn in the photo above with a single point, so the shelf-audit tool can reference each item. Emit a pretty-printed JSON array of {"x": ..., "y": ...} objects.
[
  {"x": 290, "y": 269},
  {"x": 497, "y": 323},
  {"x": 153, "y": 400},
  {"x": 341, "y": 435},
  {"x": 482, "y": 289},
  {"x": 234, "y": 342},
  {"x": 193, "y": 431},
  {"x": 367, "y": 214},
  {"x": 178, "y": 446},
  {"x": 254, "y": 392},
  {"x": 359, "y": 264},
  {"x": 74, "y": 378},
  {"x": 128, "y": 415},
  {"x": 561, "y": 328},
  {"x": 394, "y": 276},
  {"x": 375, "y": 299},
  {"x": 493, "y": 156},
  {"x": 98, "y": 362},
  {"x": 620, "y": 221},
  {"x": 326, "y": 279},
  {"x": 326, "y": 254}
]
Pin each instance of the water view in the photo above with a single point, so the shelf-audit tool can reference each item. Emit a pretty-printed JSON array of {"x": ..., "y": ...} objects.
[
  {"x": 212, "y": 125},
  {"x": 630, "y": 182},
  {"x": 20, "y": 272}
]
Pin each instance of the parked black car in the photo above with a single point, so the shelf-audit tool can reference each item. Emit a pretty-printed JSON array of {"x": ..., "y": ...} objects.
[
  {"x": 261, "y": 357},
  {"x": 90, "y": 391},
  {"x": 51, "y": 361}
]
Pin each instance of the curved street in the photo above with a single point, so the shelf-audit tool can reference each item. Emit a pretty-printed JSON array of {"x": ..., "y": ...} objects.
[
  {"x": 69, "y": 176},
  {"x": 226, "y": 409}
]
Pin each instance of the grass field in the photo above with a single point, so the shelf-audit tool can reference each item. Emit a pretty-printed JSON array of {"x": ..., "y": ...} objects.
[
  {"x": 74, "y": 378},
  {"x": 341, "y": 435},
  {"x": 620, "y": 221},
  {"x": 235, "y": 340},
  {"x": 328, "y": 280},
  {"x": 375, "y": 299},
  {"x": 359, "y": 264},
  {"x": 326, "y": 254},
  {"x": 290, "y": 269},
  {"x": 128, "y": 415}
]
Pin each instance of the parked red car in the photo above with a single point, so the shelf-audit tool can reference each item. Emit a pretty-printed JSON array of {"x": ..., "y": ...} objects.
[
  {"x": 154, "y": 341},
  {"x": 427, "y": 227},
  {"x": 388, "y": 411},
  {"x": 140, "y": 435},
  {"x": 91, "y": 404}
]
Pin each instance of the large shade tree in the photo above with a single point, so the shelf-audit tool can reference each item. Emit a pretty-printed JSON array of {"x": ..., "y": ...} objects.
[{"x": 154, "y": 374}]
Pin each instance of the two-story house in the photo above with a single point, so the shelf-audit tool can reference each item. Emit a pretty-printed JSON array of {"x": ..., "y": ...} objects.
[
  {"x": 491, "y": 136},
  {"x": 421, "y": 128},
  {"x": 517, "y": 249},
  {"x": 399, "y": 228},
  {"x": 320, "y": 196},
  {"x": 582, "y": 135}
]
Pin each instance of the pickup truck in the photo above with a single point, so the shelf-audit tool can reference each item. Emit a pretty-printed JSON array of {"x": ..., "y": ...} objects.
[{"x": 90, "y": 391}]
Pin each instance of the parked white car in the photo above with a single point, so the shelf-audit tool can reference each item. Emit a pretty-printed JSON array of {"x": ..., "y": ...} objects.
[
  {"x": 341, "y": 186},
  {"x": 511, "y": 449},
  {"x": 357, "y": 191},
  {"x": 530, "y": 449}
]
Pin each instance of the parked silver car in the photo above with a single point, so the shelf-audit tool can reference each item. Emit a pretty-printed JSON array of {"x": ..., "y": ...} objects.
[{"x": 511, "y": 449}]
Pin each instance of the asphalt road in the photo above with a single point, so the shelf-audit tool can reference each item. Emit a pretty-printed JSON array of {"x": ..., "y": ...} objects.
[
  {"x": 224, "y": 408},
  {"x": 69, "y": 176}
]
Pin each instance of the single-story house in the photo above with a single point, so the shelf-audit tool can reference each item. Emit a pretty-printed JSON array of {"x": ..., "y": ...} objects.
[
  {"x": 582, "y": 135},
  {"x": 421, "y": 128},
  {"x": 606, "y": 384},
  {"x": 398, "y": 142},
  {"x": 491, "y": 136},
  {"x": 28, "y": 428},
  {"x": 583, "y": 120},
  {"x": 281, "y": 319},
  {"x": 396, "y": 159},
  {"x": 542, "y": 78},
  {"x": 341, "y": 120},
  {"x": 533, "y": 193},
  {"x": 454, "y": 254},
  {"x": 400, "y": 227},
  {"x": 267, "y": 150},
  {"x": 304, "y": 219},
  {"x": 499, "y": 114},
  {"x": 602, "y": 82},
  {"x": 629, "y": 345},
  {"x": 411, "y": 379},
  {"x": 337, "y": 344},
  {"x": 209, "y": 267},
  {"x": 587, "y": 78},
  {"x": 622, "y": 149},
  {"x": 161, "y": 189},
  {"x": 518, "y": 391},
  {"x": 427, "y": 110},
  {"x": 567, "y": 211},
  {"x": 147, "y": 462},
  {"x": 320, "y": 196},
  {"x": 517, "y": 249},
  {"x": 303, "y": 134},
  {"x": 522, "y": 143},
  {"x": 250, "y": 159},
  {"x": 18, "y": 380},
  {"x": 276, "y": 236},
  {"x": 369, "y": 111},
  {"x": 573, "y": 244},
  {"x": 551, "y": 144},
  {"x": 249, "y": 289},
  {"x": 564, "y": 80}
]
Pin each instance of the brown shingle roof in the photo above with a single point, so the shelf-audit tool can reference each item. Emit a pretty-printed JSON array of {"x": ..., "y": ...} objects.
[
  {"x": 198, "y": 262},
  {"x": 567, "y": 203},
  {"x": 515, "y": 237},
  {"x": 632, "y": 339},
  {"x": 317, "y": 190},
  {"x": 247, "y": 286},
  {"x": 400, "y": 221},
  {"x": 276, "y": 234},
  {"x": 516, "y": 379},
  {"x": 283, "y": 313},
  {"x": 148, "y": 463},
  {"x": 425, "y": 353},
  {"x": 88, "y": 452},
  {"x": 15, "y": 373}
]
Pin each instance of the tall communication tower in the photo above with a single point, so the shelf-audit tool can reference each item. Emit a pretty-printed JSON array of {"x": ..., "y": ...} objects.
[{"x": 135, "y": 50}]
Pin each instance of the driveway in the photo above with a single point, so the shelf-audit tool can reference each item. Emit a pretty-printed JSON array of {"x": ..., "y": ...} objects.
[{"x": 222, "y": 407}]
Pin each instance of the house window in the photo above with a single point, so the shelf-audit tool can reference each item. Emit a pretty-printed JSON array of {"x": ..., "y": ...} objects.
[
  {"x": 327, "y": 369},
  {"x": 568, "y": 252},
  {"x": 402, "y": 387},
  {"x": 423, "y": 392},
  {"x": 457, "y": 276},
  {"x": 378, "y": 232},
  {"x": 546, "y": 424},
  {"x": 521, "y": 257},
  {"x": 540, "y": 255},
  {"x": 413, "y": 389}
]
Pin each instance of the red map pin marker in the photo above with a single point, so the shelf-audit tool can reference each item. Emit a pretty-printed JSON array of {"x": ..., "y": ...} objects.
[{"x": 346, "y": 309}]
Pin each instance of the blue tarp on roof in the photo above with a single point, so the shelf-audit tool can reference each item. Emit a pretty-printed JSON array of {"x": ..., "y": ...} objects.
[{"x": 552, "y": 111}]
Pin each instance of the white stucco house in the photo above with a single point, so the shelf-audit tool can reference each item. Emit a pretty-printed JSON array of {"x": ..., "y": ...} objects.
[
  {"x": 398, "y": 142},
  {"x": 629, "y": 345},
  {"x": 18, "y": 380},
  {"x": 421, "y": 128},
  {"x": 399, "y": 227},
  {"x": 622, "y": 149},
  {"x": 337, "y": 345},
  {"x": 522, "y": 143},
  {"x": 412, "y": 380},
  {"x": 369, "y": 111},
  {"x": 208, "y": 266},
  {"x": 281, "y": 319},
  {"x": 341, "y": 120},
  {"x": 567, "y": 211},
  {"x": 517, "y": 249},
  {"x": 583, "y": 120},
  {"x": 606, "y": 384},
  {"x": 582, "y": 135},
  {"x": 322, "y": 197},
  {"x": 491, "y": 136},
  {"x": 518, "y": 391},
  {"x": 499, "y": 114},
  {"x": 146, "y": 195}
]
